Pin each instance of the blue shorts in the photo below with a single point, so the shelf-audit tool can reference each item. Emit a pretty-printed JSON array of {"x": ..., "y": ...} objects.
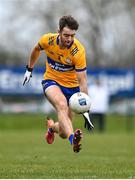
[{"x": 68, "y": 92}]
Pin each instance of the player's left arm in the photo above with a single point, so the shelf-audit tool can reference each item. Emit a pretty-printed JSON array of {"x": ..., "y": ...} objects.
[
  {"x": 82, "y": 78},
  {"x": 80, "y": 66}
]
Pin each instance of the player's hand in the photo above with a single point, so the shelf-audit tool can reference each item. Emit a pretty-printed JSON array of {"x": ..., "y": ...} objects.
[
  {"x": 27, "y": 75},
  {"x": 87, "y": 124}
]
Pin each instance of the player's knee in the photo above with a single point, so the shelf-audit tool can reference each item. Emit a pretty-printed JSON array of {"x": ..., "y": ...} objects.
[
  {"x": 62, "y": 105},
  {"x": 63, "y": 135}
]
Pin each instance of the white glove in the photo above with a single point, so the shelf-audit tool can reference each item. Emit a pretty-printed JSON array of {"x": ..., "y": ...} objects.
[{"x": 27, "y": 75}]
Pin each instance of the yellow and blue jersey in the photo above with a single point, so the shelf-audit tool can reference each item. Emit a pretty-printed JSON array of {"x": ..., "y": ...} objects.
[{"x": 62, "y": 64}]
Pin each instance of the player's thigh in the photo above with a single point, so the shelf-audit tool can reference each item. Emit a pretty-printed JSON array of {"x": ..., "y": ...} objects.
[{"x": 56, "y": 97}]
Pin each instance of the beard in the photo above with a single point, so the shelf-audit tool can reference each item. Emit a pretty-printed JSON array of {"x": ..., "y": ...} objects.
[{"x": 65, "y": 43}]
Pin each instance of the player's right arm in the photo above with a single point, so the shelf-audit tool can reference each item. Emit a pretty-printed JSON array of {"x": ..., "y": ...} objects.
[
  {"x": 34, "y": 56},
  {"x": 32, "y": 60},
  {"x": 42, "y": 45}
]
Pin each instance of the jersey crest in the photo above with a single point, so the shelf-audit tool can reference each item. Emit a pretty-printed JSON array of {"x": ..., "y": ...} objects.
[{"x": 68, "y": 61}]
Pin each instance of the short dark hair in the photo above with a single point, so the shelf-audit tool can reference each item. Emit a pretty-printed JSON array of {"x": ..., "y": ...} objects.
[{"x": 68, "y": 21}]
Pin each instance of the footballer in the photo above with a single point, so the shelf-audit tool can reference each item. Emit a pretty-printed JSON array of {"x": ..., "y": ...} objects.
[{"x": 65, "y": 75}]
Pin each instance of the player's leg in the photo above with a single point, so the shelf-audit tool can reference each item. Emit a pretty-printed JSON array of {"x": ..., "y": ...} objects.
[
  {"x": 58, "y": 100},
  {"x": 70, "y": 114},
  {"x": 53, "y": 125},
  {"x": 50, "y": 132},
  {"x": 64, "y": 126},
  {"x": 74, "y": 139}
]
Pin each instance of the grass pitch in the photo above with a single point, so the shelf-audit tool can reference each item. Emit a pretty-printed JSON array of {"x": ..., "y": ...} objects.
[{"x": 25, "y": 154}]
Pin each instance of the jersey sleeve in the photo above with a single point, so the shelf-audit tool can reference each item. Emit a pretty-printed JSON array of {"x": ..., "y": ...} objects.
[
  {"x": 80, "y": 61},
  {"x": 43, "y": 42}
]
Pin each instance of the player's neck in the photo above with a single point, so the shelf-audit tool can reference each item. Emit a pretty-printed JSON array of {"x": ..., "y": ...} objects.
[{"x": 61, "y": 45}]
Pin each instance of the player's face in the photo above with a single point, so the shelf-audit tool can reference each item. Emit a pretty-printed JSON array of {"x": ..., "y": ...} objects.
[{"x": 66, "y": 37}]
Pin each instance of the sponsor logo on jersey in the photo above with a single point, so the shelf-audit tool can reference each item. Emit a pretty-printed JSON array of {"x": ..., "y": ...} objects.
[{"x": 59, "y": 66}]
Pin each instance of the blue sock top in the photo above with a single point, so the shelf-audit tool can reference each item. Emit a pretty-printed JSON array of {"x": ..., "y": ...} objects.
[{"x": 71, "y": 138}]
